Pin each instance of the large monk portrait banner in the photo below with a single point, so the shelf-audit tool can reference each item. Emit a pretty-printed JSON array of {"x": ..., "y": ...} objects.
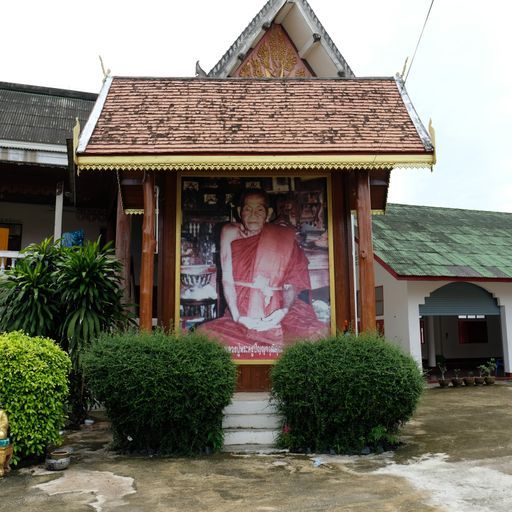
[{"x": 255, "y": 262}]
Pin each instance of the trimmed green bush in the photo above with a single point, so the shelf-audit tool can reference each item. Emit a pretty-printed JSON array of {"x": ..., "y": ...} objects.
[
  {"x": 344, "y": 393},
  {"x": 163, "y": 393},
  {"x": 33, "y": 391}
]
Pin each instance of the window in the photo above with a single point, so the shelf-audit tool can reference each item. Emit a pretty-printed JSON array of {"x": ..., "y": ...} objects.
[
  {"x": 379, "y": 302},
  {"x": 472, "y": 329},
  {"x": 14, "y": 236}
]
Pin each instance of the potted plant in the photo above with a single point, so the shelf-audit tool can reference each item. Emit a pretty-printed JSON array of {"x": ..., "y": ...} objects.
[
  {"x": 456, "y": 380},
  {"x": 491, "y": 368},
  {"x": 480, "y": 380},
  {"x": 469, "y": 380},
  {"x": 443, "y": 382}
]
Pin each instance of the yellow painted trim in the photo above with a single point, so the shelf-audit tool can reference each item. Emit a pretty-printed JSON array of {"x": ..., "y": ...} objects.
[
  {"x": 432, "y": 134},
  {"x": 76, "y": 136},
  {"x": 253, "y": 163},
  {"x": 177, "y": 278},
  {"x": 330, "y": 235},
  {"x": 134, "y": 211},
  {"x": 246, "y": 362}
]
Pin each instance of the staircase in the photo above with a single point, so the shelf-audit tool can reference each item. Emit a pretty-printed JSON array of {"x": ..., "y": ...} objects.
[{"x": 251, "y": 423}]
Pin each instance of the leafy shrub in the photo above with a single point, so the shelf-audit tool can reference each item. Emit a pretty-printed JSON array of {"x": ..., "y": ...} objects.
[
  {"x": 33, "y": 391},
  {"x": 344, "y": 393},
  {"x": 70, "y": 294},
  {"x": 163, "y": 393}
]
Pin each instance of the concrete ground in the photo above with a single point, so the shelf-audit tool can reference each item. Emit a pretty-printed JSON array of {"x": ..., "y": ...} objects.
[{"x": 456, "y": 456}]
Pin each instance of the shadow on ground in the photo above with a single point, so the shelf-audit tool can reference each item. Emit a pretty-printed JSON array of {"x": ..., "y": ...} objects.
[{"x": 456, "y": 456}]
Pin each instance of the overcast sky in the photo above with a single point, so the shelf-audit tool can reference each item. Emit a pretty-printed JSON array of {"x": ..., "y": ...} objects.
[{"x": 461, "y": 77}]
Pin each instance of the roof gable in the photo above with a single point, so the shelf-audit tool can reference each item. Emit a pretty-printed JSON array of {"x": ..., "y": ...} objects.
[
  {"x": 274, "y": 56},
  {"x": 424, "y": 241},
  {"x": 305, "y": 31}
]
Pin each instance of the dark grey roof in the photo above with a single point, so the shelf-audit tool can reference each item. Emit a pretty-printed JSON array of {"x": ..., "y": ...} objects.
[
  {"x": 42, "y": 115},
  {"x": 270, "y": 10}
]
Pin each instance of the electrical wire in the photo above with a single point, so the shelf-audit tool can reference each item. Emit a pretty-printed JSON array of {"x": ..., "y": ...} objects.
[{"x": 418, "y": 43}]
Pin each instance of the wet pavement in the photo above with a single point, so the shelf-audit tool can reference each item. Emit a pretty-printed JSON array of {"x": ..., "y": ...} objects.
[{"x": 456, "y": 456}]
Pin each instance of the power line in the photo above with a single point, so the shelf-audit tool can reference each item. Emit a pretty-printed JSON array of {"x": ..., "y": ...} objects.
[{"x": 418, "y": 43}]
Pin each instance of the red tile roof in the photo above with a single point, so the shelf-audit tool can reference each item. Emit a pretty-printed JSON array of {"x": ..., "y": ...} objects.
[{"x": 255, "y": 116}]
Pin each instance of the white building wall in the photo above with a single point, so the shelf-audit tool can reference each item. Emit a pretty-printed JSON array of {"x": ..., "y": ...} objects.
[
  {"x": 402, "y": 320},
  {"x": 38, "y": 221}
]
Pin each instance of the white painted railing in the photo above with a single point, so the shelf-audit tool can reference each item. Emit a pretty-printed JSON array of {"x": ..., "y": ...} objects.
[{"x": 8, "y": 259}]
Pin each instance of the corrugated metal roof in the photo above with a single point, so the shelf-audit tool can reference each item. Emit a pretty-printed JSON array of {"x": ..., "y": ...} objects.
[
  {"x": 444, "y": 242},
  {"x": 41, "y": 114}
]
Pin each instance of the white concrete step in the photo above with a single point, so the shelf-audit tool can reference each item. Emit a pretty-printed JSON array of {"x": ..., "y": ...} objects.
[
  {"x": 268, "y": 421},
  {"x": 265, "y": 449},
  {"x": 250, "y": 403},
  {"x": 253, "y": 436}
]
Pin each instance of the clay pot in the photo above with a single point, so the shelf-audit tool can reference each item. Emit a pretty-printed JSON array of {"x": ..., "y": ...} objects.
[
  {"x": 58, "y": 459},
  {"x": 489, "y": 380},
  {"x": 444, "y": 383},
  {"x": 479, "y": 381},
  {"x": 456, "y": 382},
  {"x": 469, "y": 381}
]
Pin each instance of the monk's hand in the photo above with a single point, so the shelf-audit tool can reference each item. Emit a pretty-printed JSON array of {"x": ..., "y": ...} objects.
[
  {"x": 251, "y": 323},
  {"x": 275, "y": 318}
]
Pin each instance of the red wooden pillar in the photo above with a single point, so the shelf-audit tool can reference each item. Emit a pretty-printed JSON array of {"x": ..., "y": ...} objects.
[
  {"x": 342, "y": 243},
  {"x": 167, "y": 253},
  {"x": 366, "y": 270},
  {"x": 123, "y": 247},
  {"x": 148, "y": 254}
]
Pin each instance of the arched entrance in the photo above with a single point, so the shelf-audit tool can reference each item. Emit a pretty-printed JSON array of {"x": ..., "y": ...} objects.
[{"x": 461, "y": 325}]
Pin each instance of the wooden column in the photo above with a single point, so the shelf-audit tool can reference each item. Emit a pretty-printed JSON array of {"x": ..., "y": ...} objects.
[
  {"x": 148, "y": 253},
  {"x": 123, "y": 247},
  {"x": 342, "y": 243},
  {"x": 365, "y": 253},
  {"x": 167, "y": 253}
]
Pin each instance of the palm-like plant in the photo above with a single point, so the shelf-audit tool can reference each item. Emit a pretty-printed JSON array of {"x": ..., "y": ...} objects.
[
  {"x": 28, "y": 296},
  {"x": 89, "y": 280}
]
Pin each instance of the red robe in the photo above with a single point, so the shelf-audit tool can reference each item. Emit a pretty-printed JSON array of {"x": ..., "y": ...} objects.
[{"x": 274, "y": 258}]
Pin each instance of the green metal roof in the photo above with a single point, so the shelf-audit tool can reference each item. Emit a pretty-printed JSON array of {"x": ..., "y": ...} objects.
[{"x": 425, "y": 241}]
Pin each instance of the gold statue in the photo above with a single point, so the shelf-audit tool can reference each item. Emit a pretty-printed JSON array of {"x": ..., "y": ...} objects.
[
  {"x": 5, "y": 445},
  {"x": 4, "y": 425}
]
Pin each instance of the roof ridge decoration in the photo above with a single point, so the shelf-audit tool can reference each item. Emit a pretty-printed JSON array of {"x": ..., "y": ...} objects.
[
  {"x": 426, "y": 138},
  {"x": 95, "y": 114},
  {"x": 261, "y": 22}
]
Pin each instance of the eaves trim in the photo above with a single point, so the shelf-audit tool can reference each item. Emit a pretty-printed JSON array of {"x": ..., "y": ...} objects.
[
  {"x": 33, "y": 146},
  {"x": 253, "y": 163},
  {"x": 401, "y": 277}
]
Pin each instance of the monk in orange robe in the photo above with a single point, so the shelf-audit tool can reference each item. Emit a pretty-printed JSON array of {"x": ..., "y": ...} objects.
[{"x": 263, "y": 272}]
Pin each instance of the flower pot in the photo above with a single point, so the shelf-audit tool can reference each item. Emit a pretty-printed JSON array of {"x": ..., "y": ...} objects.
[
  {"x": 469, "y": 381},
  {"x": 444, "y": 383},
  {"x": 489, "y": 380},
  {"x": 58, "y": 459},
  {"x": 456, "y": 382},
  {"x": 479, "y": 381}
]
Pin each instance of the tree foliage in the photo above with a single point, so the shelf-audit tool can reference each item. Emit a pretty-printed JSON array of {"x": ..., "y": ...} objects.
[{"x": 33, "y": 391}]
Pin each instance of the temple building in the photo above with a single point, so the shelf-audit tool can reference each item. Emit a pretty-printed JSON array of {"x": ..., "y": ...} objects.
[{"x": 236, "y": 188}]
